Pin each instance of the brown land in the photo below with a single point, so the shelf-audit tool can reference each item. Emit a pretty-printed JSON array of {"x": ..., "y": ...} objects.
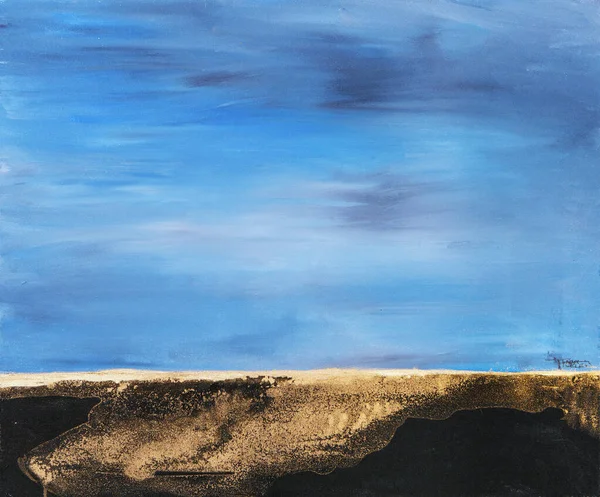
[{"x": 234, "y": 433}]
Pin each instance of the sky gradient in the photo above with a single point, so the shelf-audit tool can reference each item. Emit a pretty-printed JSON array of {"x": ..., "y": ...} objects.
[{"x": 299, "y": 184}]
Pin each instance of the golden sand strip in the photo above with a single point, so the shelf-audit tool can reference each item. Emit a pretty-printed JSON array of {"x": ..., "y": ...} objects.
[{"x": 10, "y": 380}]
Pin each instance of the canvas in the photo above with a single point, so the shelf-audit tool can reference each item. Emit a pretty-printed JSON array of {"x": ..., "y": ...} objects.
[{"x": 299, "y": 247}]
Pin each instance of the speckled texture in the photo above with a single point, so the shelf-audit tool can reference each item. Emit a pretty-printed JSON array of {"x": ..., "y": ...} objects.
[{"x": 244, "y": 431}]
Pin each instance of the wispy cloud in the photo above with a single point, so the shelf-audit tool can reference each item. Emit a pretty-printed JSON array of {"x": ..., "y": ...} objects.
[{"x": 259, "y": 180}]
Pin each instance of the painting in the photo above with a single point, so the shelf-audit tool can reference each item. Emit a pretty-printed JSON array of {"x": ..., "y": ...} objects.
[{"x": 299, "y": 248}]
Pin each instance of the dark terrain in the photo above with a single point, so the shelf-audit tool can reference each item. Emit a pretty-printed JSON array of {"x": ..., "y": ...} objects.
[
  {"x": 486, "y": 452},
  {"x": 28, "y": 422},
  {"x": 483, "y": 452}
]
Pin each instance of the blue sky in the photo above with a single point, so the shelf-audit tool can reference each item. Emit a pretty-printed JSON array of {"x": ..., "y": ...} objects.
[{"x": 299, "y": 184}]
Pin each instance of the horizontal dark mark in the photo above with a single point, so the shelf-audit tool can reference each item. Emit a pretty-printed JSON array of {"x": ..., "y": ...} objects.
[{"x": 192, "y": 473}]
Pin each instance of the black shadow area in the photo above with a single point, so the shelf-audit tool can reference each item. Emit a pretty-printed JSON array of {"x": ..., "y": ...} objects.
[
  {"x": 483, "y": 453},
  {"x": 25, "y": 424}
]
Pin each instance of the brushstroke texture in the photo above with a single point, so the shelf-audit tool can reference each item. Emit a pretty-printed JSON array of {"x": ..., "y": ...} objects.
[{"x": 217, "y": 184}]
